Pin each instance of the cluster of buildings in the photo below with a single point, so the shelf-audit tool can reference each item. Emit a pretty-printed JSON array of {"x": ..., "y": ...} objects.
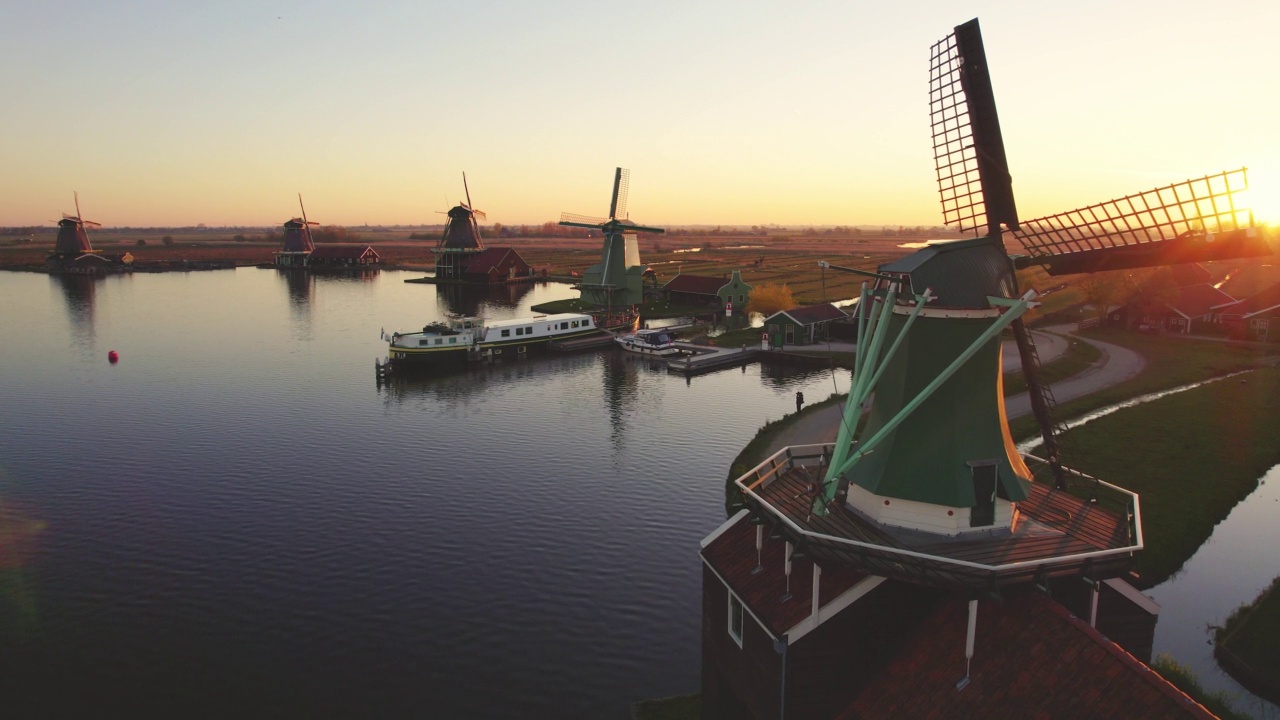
[{"x": 1191, "y": 302}]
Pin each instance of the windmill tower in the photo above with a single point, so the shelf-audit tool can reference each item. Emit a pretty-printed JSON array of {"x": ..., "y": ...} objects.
[
  {"x": 297, "y": 244},
  {"x": 73, "y": 240},
  {"x": 461, "y": 239},
  {"x": 618, "y": 280},
  {"x": 932, "y": 489}
]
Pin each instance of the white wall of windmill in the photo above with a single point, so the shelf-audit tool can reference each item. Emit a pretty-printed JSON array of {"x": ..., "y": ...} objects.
[{"x": 927, "y": 517}]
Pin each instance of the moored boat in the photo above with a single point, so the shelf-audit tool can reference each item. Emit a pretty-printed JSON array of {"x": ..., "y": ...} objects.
[
  {"x": 472, "y": 338},
  {"x": 650, "y": 342}
]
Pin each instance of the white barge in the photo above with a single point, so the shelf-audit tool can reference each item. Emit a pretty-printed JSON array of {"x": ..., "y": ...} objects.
[{"x": 471, "y": 338}]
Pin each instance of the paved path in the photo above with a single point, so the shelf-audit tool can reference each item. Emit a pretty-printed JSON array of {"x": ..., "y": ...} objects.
[
  {"x": 1049, "y": 345},
  {"x": 1116, "y": 365}
]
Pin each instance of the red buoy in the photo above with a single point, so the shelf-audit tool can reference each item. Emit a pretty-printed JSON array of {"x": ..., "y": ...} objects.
[{"x": 113, "y": 357}]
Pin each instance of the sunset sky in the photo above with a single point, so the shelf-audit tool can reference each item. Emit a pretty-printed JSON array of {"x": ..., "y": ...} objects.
[{"x": 741, "y": 112}]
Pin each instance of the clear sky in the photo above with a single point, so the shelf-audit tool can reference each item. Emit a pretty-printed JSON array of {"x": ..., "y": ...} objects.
[{"x": 739, "y": 112}]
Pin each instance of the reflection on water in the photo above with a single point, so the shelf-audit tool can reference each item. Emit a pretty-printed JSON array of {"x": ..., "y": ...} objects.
[
  {"x": 1225, "y": 573},
  {"x": 244, "y": 519},
  {"x": 78, "y": 292},
  {"x": 469, "y": 300}
]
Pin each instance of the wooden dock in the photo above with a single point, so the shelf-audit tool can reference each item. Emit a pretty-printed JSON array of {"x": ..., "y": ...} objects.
[{"x": 698, "y": 359}]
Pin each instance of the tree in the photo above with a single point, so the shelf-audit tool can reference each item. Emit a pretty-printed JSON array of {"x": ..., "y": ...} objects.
[
  {"x": 1100, "y": 290},
  {"x": 769, "y": 299},
  {"x": 167, "y": 239},
  {"x": 141, "y": 242}
]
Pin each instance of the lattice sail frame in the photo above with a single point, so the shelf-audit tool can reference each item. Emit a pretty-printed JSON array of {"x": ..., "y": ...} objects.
[
  {"x": 954, "y": 155},
  {"x": 1199, "y": 206},
  {"x": 621, "y": 189}
]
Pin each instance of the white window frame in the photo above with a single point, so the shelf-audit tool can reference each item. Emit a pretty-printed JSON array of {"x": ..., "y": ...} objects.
[{"x": 742, "y": 618}]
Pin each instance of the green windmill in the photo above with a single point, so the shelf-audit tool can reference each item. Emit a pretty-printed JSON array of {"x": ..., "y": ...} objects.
[
  {"x": 618, "y": 279},
  {"x": 932, "y": 489}
]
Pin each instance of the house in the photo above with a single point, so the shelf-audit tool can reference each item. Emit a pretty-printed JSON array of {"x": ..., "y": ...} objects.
[
  {"x": 491, "y": 265},
  {"x": 1193, "y": 303},
  {"x": 342, "y": 256},
  {"x": 790, "y": 636},
  {"x": 1256, "y": 317},
  {"x": 722, "y": 293},
  {"x": 802, "y": 325}
]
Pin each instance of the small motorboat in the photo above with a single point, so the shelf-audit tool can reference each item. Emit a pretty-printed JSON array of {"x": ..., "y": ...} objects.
[{"x": 650, "y": 342}]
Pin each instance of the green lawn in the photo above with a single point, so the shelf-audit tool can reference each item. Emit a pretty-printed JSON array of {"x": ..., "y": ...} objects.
[
  {"x": 1171, "y": 362},
  {"x": 1190, "y": 456}
]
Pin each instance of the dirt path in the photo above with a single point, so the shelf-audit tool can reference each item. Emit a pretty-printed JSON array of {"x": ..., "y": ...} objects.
[{"x": 1116, "y": 365}]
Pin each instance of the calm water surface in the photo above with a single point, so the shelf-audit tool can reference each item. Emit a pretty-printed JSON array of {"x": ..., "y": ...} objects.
[{"x": 237, "y": 517}]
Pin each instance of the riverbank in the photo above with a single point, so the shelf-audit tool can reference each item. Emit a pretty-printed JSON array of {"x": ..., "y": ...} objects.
[{"x": 1246, "y": 645}]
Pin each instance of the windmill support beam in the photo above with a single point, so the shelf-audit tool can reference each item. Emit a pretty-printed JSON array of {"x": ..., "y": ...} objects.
[
  {"x": 867, "y": 375},
  {"x": 1039, "y": 405}
]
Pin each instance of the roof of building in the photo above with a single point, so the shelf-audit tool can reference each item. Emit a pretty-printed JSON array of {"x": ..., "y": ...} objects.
[
  {"x": 493, "y": 257},
  {"x": 1190, "y": 274},
  {"x": 1032, "y": 659},
  {"x": 342, "y": 252},
  {"x": 961, "y": 273},
  {"x": 1268, "y": 299},
  {"x": 1194, "y": 301},
  {"x": 696, "y": 284},
  {"x": 732, "y": 555},
  {"x": 810, "y": 314}
]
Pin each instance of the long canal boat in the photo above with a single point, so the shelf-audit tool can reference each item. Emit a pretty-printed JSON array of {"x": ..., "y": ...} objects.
[{"x": 460, "y": 339}]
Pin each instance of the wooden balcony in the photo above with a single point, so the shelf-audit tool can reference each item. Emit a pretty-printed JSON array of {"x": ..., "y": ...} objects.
[{"x": 1091, "y": 530}]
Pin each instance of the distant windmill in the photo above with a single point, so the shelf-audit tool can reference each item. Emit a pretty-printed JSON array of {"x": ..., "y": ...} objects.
[
  {"x": 460, "y": 240},
  {"x": 932, "y": 489},
  {"x": 297, "y": 243},
  {"x": 72, "y": 238},
  {"x": 619, "y": 278}
]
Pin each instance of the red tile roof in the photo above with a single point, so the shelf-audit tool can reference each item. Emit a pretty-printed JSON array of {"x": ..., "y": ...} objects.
[
  {"x": 493, "y": 257},
  {"x": 696, "y": 284},
  {"x": 341, "y": 252},
  {"x": 733, "y": 557},
  {"x": 1032, "y": 659},
  {"x": 1190, "y": 274},
  {"x": 1264, "y": 300},
  {"x": 1194, "y": 301}
]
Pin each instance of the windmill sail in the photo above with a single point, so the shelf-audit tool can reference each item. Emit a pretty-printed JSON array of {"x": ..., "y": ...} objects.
[
  {"x": 968, "y": 149},
  {"x": 1196, "y": 220}
]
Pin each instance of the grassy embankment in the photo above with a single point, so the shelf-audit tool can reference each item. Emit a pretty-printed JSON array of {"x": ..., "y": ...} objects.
[
  {"x": 1249, "y": 638},
  {"x": 1185, "y": 679}
]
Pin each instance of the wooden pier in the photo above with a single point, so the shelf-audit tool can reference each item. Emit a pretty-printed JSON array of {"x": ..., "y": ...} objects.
[{"x": 698, "y": 359}]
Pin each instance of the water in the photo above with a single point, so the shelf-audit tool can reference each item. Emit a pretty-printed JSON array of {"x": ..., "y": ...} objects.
[
  {"x": 236, "y": 516},
  {"x": 1225, "y": 573}
]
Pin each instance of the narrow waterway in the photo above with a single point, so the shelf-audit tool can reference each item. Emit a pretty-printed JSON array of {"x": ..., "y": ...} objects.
[{"x": 1225, "y": 573}]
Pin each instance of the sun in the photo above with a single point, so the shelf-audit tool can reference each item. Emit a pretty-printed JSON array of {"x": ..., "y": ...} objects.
[{"x": 1263, "y": 195}]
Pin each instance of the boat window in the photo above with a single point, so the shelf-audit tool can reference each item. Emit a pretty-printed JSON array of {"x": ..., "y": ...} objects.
[
  {"x": 528, "y": 331},
  {"x": 439, "y": 340},
  {"x": 422, "y": 343},
  {"x": 735, "y": 619},
  {"x": 519, "y": 331},
  {"x": 506, "y": 333},
  {"x": 453, "y": 340},
  {"x": 575, "y": 324}
]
